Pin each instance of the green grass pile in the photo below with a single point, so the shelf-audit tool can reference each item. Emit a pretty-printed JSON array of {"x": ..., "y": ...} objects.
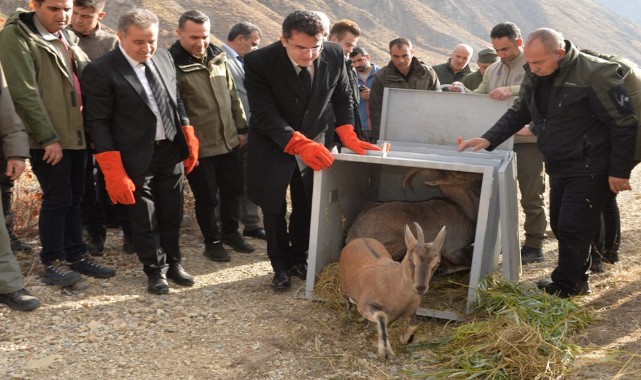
[{"x": 517, "y": 332}]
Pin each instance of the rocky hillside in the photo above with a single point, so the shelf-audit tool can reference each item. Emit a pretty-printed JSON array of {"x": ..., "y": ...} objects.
[
  {"x": 435, "y": 26},
  {"x": 626, "y": 8}
]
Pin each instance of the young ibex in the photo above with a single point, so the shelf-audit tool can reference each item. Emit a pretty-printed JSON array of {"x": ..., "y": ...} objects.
[
  {"x": 457, "y": 209},
  {"x": 385, "y": 290}
]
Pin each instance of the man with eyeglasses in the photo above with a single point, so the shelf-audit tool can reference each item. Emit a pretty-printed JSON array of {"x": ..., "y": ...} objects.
[{"x": 289, "y": 84}]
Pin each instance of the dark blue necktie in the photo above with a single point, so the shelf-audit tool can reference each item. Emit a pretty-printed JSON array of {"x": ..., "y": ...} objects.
[
  {"x": 162, "y": 100},
  {"x": 241, "y": 60}
]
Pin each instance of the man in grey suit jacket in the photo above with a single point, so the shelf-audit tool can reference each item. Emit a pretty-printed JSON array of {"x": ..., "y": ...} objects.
[
  {"x": 289, "y": 85},
  {"x": 244, "y": 38}
]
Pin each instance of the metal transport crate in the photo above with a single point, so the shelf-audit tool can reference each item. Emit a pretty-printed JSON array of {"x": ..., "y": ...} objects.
[{"x": 422, "y": 128}]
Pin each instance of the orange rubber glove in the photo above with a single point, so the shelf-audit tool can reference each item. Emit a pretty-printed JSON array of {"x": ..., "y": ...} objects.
[
  {"x": 192, "y": 141},
  {"x": 350, "y": 140},
  {"x": 315, "y": 155},
  {"x": 119, "y": 186}
]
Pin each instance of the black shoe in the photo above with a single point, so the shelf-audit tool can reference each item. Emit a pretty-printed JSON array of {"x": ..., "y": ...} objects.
[
  {"x": 20, "y": 300},
  {"x": 611, "y": 257},
  {"x": 157, "y": 282},
  {"x": 551, "y": 287},
  {"x": 96, "y": 245},
  {"x": 583, "y": 288},
  {"x": 216, "y": 252},
  {"x": 59, "y": 274},
  {"x": 18, "y": 245},
  {"x": 258, "y": 233},
  {"x": 128, "y": 246},
  {"x": 237, "y": 242},
  {"x": 281, "y": 280},
  {"x": 177, "y": 274},
  {"x": 91, "y": 268},
  {"x": 596, "y": 264},
  {"x": 531, "y": 255},
  {"x": 299, "y": 270}
]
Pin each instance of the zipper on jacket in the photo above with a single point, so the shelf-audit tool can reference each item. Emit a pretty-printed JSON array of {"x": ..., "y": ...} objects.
[{"x": 79, "y": 136}]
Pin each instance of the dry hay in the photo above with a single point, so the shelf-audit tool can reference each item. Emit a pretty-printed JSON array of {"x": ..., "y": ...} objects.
[
  {"x": 448, "y": 293},
  {"x": 327, "y": 289}
]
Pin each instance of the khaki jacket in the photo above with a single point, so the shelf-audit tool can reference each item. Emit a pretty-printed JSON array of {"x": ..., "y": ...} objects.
[
  {"x": 42, "y": 89},
  {"x": 211, "y": 100}
]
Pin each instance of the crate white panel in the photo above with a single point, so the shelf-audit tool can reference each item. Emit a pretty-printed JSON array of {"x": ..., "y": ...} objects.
[{"x": 439, "y": 118}]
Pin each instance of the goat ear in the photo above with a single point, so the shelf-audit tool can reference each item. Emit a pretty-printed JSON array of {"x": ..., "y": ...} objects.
[
  {"x": 410, "y": 240},
  {"x": 439, "y": 240},
  {"x": 419, "y": 233}
]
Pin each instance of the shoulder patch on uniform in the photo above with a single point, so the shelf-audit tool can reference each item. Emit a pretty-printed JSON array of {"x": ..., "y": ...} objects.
[{"x": 621, "y": 99}]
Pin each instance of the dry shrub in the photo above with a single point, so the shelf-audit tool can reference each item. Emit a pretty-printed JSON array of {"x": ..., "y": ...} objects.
[{"x": 27, "y": 198}]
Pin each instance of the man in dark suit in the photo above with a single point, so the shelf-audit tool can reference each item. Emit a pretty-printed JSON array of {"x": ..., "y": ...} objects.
[
  {"x": 134, "y": 117},
  {"x": 289, "y": 84}
]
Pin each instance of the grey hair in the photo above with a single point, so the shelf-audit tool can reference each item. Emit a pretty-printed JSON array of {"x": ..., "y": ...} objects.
[
  {"x": 140, "y": 18},
  {"x": 551, "y": 39}
]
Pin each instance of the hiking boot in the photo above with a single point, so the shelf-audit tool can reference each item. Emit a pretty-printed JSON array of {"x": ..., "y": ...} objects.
[
  {"x": 59, "y": 274},
  {"x": 18, "y": 245},
  {"x": 87, "y": 266},
  {"x": 20, "y": 300},
  {"x": 237, "y": 242},
  {"x": 531, "y": 255},
  {"x": 96, "y": 245},
  {"x": 216, "y": 252}
]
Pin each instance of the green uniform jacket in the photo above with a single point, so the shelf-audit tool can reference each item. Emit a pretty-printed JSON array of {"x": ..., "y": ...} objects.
[
  {"x": 43, "y": 92},
  {"x": 446, "y": 75},
  {"x": 589, "y": 121},
  {"x": 472, "y": 80},
  {"x": 212, "y": 103},
  {"x": 631, "y": 74}
]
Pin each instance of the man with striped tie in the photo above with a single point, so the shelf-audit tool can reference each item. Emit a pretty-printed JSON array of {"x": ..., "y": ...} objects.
[{"x": 143, "y": 142}]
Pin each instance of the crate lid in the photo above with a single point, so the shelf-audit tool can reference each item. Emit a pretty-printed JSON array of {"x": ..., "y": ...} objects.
[{"x": 439, "y": 118}]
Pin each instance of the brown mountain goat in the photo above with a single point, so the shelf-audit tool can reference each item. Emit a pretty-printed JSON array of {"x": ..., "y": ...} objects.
[
  {"x": 458, "y": 209},
  {"x": 385, "y": 290}
]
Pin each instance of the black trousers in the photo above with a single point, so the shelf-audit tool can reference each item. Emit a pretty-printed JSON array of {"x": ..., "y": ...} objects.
[
  {"x": 575, "y": 210},
  {"x": 60, "y": 223},
  {"x": 288, "y": 245},
  {"x": 156, "y": 216},
  {"x": 222, "y": 173}
]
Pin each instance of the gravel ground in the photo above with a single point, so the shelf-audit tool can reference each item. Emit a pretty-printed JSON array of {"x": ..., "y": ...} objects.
[{"x": 232, "y": 325}]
